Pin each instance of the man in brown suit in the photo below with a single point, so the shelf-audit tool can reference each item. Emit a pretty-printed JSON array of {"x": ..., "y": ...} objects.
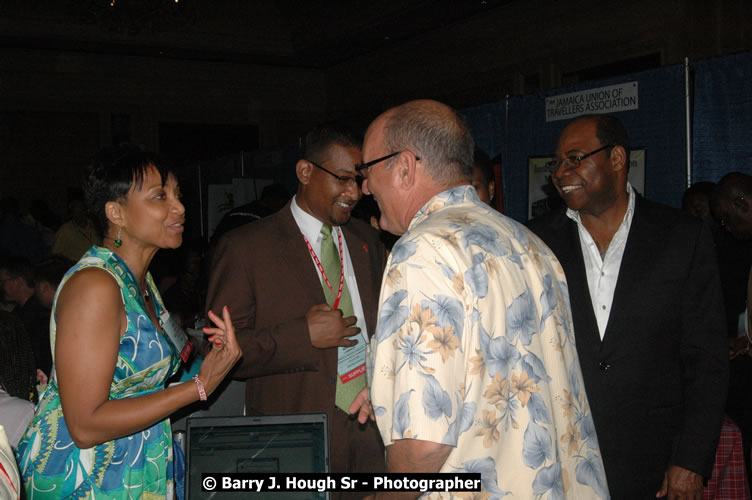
[{"x": 267, "y": 275}]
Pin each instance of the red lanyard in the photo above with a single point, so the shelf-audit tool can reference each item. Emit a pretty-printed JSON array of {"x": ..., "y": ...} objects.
[{"x": 321, "y": 268}]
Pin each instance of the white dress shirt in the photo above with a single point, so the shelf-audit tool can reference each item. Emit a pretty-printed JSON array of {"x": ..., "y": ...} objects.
[
  {"x": 602, "y": 272},
  {"x": 311, "y": 228}
]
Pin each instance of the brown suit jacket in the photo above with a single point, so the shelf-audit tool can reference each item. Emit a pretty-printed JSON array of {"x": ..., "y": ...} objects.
[{"x": 264, "y": 274}]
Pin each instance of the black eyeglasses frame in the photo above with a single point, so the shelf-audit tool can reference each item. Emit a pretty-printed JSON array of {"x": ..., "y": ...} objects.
[
  {"x": 573, "y": 162},
  {"x": 344, "y": 180},
  {"x": 366, "y": 166}
]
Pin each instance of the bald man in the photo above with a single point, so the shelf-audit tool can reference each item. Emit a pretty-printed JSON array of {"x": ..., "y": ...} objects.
[{"x": 473, "y": 364}]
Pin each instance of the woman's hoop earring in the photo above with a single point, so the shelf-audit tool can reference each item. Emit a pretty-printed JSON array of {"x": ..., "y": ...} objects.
[{"x": 118, "y": 242}]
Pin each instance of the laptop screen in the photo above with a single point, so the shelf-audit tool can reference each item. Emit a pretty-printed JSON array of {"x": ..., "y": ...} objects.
[{"x": 262, "y": 444}]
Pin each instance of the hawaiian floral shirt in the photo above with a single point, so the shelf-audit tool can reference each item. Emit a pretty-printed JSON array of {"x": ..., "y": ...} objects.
[{"x": 474, "y": 348}]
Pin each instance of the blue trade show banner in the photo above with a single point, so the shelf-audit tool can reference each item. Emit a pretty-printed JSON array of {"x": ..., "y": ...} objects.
[{"x": 722, "y": 136}]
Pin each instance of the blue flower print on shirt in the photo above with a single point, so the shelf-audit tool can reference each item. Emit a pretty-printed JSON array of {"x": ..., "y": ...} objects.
[
  {"x": 500, "y": 356},
  {"x": 402, "y": 251},
  {"x": 448, "y": 311},
  {"x": 564, "y": 290},
  {"x": 401, "y": 416},
  {"x": 509, "y": 409},
  {"x": 484, "y": 237},
  {"x": 475, "y": 317},
  {"x": 436, "y": 401},
  {"x": 548, "y": 299},
  {"x": 486, "y": 467},
  {"x": 535, "y": 368},
  {"x": 452, "y": 197},
  {"x": 574, "y": 382},
  {"x": 549, "y": 479},
  {"x": 519, "y": 231},
  {"x": 589, "y": 472},
  {"x": 537, "y": 409},
  {"x": 446, "y": 270},
  {"x": 477, "y": 277},
  {"x": 392, "y": 315},
  {"x": 587, "y": 431},
  {"x": 522, "y": 318},
  {"x": 409, "y": 346},
  {"x": 536, "y": 446},
  {"x": 515, "y": 257},
  {"x": 462, "y": 423}
]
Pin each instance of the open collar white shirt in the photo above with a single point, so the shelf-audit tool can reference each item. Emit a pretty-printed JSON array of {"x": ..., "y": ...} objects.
[
  {"x": 603, "y": 272},
  {"x": 310, "y": 226}
]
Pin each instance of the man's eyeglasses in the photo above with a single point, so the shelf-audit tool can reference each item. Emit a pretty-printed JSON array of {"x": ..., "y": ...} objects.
[
  {"x": 364, "y": 168},
  {"x": 573, "y": 162},
  {"x": 345, "y": 181}
]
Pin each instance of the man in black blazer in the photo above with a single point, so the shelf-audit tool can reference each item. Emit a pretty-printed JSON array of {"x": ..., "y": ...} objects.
[{"x": 648, "y": 317}]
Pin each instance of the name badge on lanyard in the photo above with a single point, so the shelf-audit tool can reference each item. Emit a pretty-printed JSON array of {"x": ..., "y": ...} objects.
[{"x": 176, "y": 335}]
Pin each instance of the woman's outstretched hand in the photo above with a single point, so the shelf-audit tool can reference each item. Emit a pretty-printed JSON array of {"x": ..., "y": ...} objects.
[{"x": 224, "y": 353}]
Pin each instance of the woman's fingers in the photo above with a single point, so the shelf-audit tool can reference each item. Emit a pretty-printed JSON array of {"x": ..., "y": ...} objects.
[
  {"x": 230, "y": 329},
  {"x": 218, "y": 333},
  {"x": 224, "y": 353},
  {"x": 216, "y": 319},
  {"x": 223, "y": 334}
]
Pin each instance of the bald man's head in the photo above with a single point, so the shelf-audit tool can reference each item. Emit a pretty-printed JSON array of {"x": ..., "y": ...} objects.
[{"x": 436, "y": 134}]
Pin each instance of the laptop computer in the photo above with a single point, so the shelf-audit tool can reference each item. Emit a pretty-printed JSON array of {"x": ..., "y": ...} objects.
[{"x": 256, "y": 444}]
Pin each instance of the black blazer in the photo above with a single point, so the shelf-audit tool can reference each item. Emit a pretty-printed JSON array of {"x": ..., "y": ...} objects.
[{"x": 657, "y": 381}]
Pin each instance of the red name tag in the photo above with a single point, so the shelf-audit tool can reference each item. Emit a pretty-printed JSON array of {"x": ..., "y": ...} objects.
[
  {"x": 186, "y": 352},
  {"x": 353, "y": 374}
]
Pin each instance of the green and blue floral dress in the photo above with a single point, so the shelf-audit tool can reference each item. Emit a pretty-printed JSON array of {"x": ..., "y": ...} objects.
[{"x": 135, "y": 466}]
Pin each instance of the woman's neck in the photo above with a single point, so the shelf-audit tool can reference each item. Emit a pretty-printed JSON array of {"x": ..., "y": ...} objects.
[{"x": 137, "y": 259}]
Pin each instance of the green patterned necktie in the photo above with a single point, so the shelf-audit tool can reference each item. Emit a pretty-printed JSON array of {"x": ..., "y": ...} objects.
[{"x": 330, "y": 261}]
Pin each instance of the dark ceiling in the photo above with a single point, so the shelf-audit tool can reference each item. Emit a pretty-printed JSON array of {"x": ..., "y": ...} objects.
[{"x": 294, "y": 33}]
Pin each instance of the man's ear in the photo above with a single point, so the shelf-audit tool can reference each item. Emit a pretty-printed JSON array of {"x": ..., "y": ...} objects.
[
  {"x": 491, "y": 189},
  {"x": 303, "y": 170},
  {"x": 407, "y": 166},
  {"x": 618, "y": 158},
  {"x": 114, "y": 212}
]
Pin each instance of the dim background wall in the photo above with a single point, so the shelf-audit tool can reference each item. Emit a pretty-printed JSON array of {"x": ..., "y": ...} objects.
[
  {"x": 58, "y": 109},
  {"x": 63, "y": 95}
]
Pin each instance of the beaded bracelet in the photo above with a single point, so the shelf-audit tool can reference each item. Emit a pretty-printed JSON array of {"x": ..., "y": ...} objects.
[{"x": 200, "y": 386}]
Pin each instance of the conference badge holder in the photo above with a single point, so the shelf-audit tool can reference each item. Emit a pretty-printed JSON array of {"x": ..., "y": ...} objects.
[{"x": 176, "y": 335}]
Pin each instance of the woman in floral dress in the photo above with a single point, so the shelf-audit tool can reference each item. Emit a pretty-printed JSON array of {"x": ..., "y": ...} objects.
[{"x": 101, "y": 428}]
